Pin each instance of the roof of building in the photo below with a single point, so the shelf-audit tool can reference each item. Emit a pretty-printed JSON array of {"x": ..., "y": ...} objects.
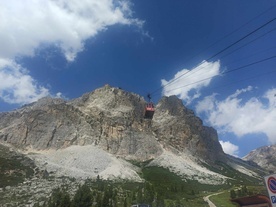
[{"x": 250, "y": 200}]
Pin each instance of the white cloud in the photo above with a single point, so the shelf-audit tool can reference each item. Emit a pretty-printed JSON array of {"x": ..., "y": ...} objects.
[
  {"x": 187, "y": 83},
  {"x": 17, "y": 86},
  {"x": 242, "y": 117},
  {"x": 229, "y": 148},
  {"x": 27, "y": 25},
  {"x": 206, "y": 105}
]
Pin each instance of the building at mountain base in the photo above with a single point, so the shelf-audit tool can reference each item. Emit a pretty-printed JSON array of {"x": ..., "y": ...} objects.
[{"x": 253, "y": 201}]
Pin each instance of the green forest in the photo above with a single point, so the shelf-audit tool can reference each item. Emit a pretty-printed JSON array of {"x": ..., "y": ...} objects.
[{"x": 160, "y": 188}]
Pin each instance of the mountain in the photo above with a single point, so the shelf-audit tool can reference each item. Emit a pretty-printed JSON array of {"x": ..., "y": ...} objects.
[
  {"x": 104, "y": 133},
  {"x": 264, "y": 157},
  {"x": 111, "y": 119}
]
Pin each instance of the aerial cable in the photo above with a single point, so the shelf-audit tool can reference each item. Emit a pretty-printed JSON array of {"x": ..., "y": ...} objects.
[
  {"x": 238, "y": 60},
  {"x": 234, "y": 50},
  {"x": 262, "y": 51},
  {"x": 221, "y": 51},
  {"x": 248, "y": 43},
  {"x": 252, "y": 55},
  {"x": 239, "y": 40},
  {"x": 250, "y": 64},
  {"x": 225, "y": 72},
  {"x": 229, "y": 34},
  {"x": 243, "y": 80}
]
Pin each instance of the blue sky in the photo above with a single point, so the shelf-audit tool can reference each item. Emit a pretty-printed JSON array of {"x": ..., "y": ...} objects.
[{"x": 217, "y": 56}]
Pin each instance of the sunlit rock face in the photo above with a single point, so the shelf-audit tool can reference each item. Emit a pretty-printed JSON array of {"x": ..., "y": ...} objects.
[
  {"x": 264, "y": 157},
  {"x": 177, "y": 126},
  {"x": 113, "y": 120}
]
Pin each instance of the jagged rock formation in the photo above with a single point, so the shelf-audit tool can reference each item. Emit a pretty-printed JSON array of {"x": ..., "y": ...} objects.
[
  {"x": 48, "y": 123},
  {"x": 264, "y": 157},
  {"x": 100, "y": 133},
  {"x": 177, "y": 126},
  {"x": 113, "y": 120}
]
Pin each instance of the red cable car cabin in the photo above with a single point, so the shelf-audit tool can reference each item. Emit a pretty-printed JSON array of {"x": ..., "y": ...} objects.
[{"x": 149, "y": 110}]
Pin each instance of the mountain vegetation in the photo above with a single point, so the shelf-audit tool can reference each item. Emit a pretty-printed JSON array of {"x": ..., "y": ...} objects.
[{"x": 98, "y": 150}]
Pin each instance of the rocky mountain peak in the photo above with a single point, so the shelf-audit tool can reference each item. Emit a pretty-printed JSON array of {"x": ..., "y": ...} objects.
[
  {"x": 178, "y": 126},
  {"x": 43, "y": 102},
  {"x": 264, "y": 157},
  {"x": 172, "y": 106},
  {"x": 111, "y": 102},
  {"x": 111, "y": 119}
]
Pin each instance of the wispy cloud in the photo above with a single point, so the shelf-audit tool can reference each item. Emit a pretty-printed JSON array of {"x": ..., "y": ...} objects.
[
  {"x": 229, "y": 148},
  {"x": 186, "y": 84},
  {"x": 27, "y": 25},
  {"x": 242, "y": 117}
]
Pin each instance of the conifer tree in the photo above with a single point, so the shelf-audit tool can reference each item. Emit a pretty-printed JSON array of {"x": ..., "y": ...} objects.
[
  {"x": 233, "y": 194},
  {"x": 160, "y": 200},
  {"x": 83, "y": 197},
  {"x": 105, "y": 202},
  {"x": 59, "y": 198},
  {"x": 125, "y": 202}
]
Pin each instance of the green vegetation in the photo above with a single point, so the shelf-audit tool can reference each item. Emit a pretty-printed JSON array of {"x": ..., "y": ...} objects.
[
  {"x": 160, "y": 188},
  {"x": 59, "y": 198},
  {"x": 223, "y": 199},
  {"x": 14, "y": 168},
  {"x": 238, "y": 178},
  {"x": 174, "y": 186},
  {"x": 242, "y": 191}
]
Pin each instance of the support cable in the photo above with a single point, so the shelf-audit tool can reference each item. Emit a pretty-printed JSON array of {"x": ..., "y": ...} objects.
[
  {"x": 228, "y": 71},
  {"x": 218, "y": 53}
]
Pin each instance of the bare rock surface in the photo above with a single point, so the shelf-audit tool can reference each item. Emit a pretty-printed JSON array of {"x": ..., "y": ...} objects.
[
  {"x": 83, "y": 162},
  {"x": 111, "y": 119},
  {"x": 177, "y": 126},
  {"x": 265, "y": 157},
  {"x": 96, "y": 133}
]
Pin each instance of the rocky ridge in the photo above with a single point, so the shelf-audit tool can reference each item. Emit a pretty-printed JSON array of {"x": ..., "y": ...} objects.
[
  {"x": 101, "y": 134},
  {"x": 109, "y": 121},
  {"x": 113, "y": 120},
  {"x": 264, "y": 157}
]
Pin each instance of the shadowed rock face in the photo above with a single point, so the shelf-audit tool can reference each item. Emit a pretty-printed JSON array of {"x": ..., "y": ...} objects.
[{"x": 113, "y": 120}]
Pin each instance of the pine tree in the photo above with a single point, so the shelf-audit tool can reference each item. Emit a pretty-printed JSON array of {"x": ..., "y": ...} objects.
[
  {"x": 160, "y": 200},
  {"x": 239, "y": 193},
  {"x": 125, "y": 202},
  {"x": 140, "y": 196},
  {"x": 105, "y": 202},
  {"x": 244, "y": 190},
  {"x": 149, "y": 194},
  {"x": 99, "y": 200},
  {"x": 83, "y": 197},
  {"x": 59, "y": 198},
  {"x": 233, "y": 194},
  {"x": 133, "y": 198}
]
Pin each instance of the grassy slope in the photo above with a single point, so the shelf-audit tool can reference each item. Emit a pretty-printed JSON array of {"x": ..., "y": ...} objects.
[
  {"x": 223, "y": 199},
  {"x": 191, "y": 192},
  {"x": 188, "y": 193},
  {"x": 14, "y": 168}
]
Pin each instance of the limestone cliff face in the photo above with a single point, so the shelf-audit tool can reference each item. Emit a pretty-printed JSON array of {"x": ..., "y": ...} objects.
[
  {"x": 177, "y": 126},
  {"x": 264, "y": 157},
  {"x": 49, "y": 123},
  {"x": 113, "y": 120}
]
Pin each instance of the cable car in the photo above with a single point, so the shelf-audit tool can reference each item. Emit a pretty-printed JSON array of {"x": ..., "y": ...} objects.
[{"x": 149, "y": 109}]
